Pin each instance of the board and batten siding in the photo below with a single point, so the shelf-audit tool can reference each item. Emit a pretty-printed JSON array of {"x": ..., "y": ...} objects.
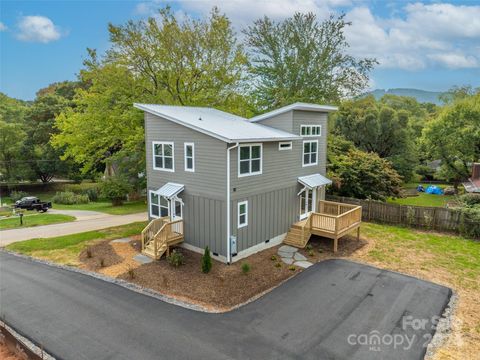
[{"x": 204, "y": 197}]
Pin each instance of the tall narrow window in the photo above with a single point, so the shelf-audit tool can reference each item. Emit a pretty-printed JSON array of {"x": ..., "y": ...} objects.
[
  {"x": 250, "y": 160},
  {"x": 189, "y": 157},
  {"x": 163, "y": 158},
  {"x": 310, "y": 153},
  {"x": 242, "y": 214}
]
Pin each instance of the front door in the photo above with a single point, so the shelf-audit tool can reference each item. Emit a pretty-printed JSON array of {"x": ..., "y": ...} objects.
[
  {"x": 306, "y": 203},
  {"x": 177, "y": 209}
]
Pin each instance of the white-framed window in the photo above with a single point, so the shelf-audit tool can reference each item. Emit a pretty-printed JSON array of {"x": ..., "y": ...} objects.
[
  {"x": 285, "y": 145},
  {"x": 311, "y": 130},
  {"x": 158, "y": 205},
  {"x": 242, "y": 214},
  {"x": 249, "y": 160},
  {"x": 189, "y": 150},
  {"x": 310, "y": 152},
  {"x": 163, "y": 156}
]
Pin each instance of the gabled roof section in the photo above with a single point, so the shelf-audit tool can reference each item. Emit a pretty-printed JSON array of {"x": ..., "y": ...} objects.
[
  {"x": 218, "y": 124},
  {"x": 295, "y": 106}
]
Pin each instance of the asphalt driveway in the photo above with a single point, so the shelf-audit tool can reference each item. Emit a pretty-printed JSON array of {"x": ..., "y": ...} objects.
[
  {"x": 328, "y": 311},
  {"x": 85, "y": 221}
]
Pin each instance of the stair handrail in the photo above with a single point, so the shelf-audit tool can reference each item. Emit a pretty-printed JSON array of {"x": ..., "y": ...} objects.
[{"x": 147, "y": 235}]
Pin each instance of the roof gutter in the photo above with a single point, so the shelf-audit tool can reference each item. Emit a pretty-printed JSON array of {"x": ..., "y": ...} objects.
[{"x": 229, "y": 253}]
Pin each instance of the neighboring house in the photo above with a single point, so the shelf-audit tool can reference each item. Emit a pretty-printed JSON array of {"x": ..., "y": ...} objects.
[
  {"x": 237, "y": 185},
  {"x": 473, "y": 184}
]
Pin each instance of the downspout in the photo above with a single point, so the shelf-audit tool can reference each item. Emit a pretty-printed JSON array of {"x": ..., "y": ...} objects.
[{"x": 229, "y": 255}]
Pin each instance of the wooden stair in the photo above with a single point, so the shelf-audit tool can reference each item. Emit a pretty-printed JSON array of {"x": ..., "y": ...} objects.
[
  {"x": 299, "y": 234},
  {"x": 159, "y": 235}
]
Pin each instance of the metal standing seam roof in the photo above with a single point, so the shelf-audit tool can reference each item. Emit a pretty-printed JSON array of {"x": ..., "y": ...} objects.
[
  {"x": 314, "y": 180},
  {"x": 219, "y": 124},
  {"x": 295, "y": 106},
  {"x": 170, "y": 190}
]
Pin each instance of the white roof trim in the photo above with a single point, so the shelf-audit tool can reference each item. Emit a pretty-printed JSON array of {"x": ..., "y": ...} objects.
[
  {"x": 295, "y": 106},
  {"x": 277, "y": 135},
  {"x": 314, "y": 180},
  {"x": 170, "y": 190}
]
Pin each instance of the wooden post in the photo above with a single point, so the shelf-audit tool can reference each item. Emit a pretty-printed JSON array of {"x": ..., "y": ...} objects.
[
  {"x": 335, "y": 245},
  {"x": 358, "y": 233},
  {"x": 369, "y": 208}
]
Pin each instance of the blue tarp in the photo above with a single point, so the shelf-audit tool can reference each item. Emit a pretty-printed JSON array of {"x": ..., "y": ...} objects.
[{"x": 435, "y": 190}]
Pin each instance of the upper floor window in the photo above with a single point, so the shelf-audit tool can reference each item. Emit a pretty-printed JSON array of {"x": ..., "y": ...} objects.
[
  {"x": 311, "y": 130},
  {"x": 310, "y": 153},
  {"x": 163, "y": 158},
  {"x": 250, "y": 160},
  {"x": 189, "y": 157}
]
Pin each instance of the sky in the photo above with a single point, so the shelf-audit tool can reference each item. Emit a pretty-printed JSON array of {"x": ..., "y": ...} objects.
[{"x": 429, "y": 45}]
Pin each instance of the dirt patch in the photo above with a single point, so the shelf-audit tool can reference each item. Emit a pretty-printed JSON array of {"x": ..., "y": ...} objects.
[
  {"x": 225, "y": 287},
  {"x": 6, "y": 354}
]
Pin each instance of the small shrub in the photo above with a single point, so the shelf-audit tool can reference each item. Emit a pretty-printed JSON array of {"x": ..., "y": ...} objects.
[
  {"x": 81, "y": 188},
  {"x": 428, "y": 220},
  {"x": 311, "y": 253},
  {"x": 273, "y": 258},
  {"x": 17, "y": 195},
  {"x": 92, "y": 194},
  {"x": 176, "y": 259},
  {"x": 468, "y": 199},
  {"x": 410, "y": 216},
  {"x": 292, "y": 268},
  {"x": 245, "y": 268},
  {"x": 102, "y": 262},
  {"x": 89, "y": 253},
  {"x": 130, "y": 272},
  {"x": 115, "y": 189},
  {"x": 206, "y": 261},
  {"x": 69, "y": 198},
  {"x": 309, "y": 247},
  {"x": 278, "y": 264}
]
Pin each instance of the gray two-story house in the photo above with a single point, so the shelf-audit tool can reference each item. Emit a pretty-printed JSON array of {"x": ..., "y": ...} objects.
[{"x": 233, "y": 184}]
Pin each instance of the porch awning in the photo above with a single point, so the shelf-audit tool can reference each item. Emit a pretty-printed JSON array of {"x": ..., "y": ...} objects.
[
  {"x": 170, "y": 190},
  {"x": 314, "y": 180}
]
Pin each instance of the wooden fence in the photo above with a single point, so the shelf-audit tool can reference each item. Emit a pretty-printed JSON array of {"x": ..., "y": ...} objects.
[{"x": 435, "y": 218}]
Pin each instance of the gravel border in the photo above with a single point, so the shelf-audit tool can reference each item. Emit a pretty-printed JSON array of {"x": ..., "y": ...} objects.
[{"x": 25, "y": 341}]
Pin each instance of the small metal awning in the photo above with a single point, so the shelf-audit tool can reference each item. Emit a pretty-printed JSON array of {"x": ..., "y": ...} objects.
[
  {"x": 314, "y": 180},
  {"x": 170, "y": 190}
]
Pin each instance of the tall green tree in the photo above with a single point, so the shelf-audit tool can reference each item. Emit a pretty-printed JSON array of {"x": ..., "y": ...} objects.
[
  {"x": 454, "y": 137},
  {"x": 160, "y": 60},
  {"x": 376, "y": 128},
  {"x": 303, "y": 59},
  {"x": 11, "y": 141}
]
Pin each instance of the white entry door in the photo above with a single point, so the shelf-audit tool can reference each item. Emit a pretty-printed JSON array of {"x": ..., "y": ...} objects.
[
  {"x": 177, "y": 209},
  {"x": 307, "y": 202}
]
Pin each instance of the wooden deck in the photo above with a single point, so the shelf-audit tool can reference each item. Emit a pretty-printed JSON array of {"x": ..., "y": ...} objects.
[
  {"x": 159, "y": 235},
  {"x": 333, "y": 221}
]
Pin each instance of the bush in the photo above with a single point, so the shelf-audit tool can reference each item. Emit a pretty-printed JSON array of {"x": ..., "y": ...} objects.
[
  {"x": 470, "y": 199},
  {"x": 69, "y": 198},
  {"x": 273, "y": 258},
  {"x": 176, "y": 259},
  {"x": 17, "y": 195},
  {"x": 89, "y": 189},
  {"x": 278, "y": 264},
  {"x": 470, "y": 222},
  {"x": 115, "y": 189},
  {"x": 245, "y": 268},
  {"x": 206, "y": 261},
  {"x": 92, "y": 194}
]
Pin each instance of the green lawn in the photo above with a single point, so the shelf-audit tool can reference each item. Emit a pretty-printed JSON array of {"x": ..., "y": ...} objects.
[
  {"x": 423, "y": 199},
  {"x": 34, "y": 220},
  {"x": 66, "y": 249}
]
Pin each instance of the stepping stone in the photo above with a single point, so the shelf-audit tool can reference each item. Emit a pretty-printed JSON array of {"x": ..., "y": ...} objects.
[
  {"x": 303, "y": 264},
  {"x": 142, "y": 259},
  {"x": 287, "y": 261},
  {"x": 299, "y": 257},
  {"x": 122, "y": 240},
  {"x": 285, "y": 254},
  {"x": 288, "y": 249}
]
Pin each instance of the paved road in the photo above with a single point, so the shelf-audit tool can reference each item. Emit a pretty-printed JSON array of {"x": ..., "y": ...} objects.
[
  {"x": 86, "y": 221},
  {"x": 309, "y": 317}
]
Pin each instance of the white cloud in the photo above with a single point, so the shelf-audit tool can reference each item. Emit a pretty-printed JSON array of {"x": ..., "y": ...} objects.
[
  {"x": 435, "y": 34},
  {"x": 38, "y": 29},
  {"x": 3, "y": 27}
]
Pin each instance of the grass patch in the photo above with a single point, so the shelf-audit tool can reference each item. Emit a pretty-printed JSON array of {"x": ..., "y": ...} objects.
[
  {"x": 423, "y": 199},
  {"x": 66, "y": 249},
  {"x": 34, "y": 220}
]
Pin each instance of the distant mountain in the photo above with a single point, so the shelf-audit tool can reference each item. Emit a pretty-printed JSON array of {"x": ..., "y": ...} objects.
[{"x": 421, "y": 95}]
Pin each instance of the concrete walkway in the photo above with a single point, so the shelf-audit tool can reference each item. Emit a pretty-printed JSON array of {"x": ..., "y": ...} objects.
[
  {"x": 86, "y": 221},
  {"x": 322, "y": 313}
]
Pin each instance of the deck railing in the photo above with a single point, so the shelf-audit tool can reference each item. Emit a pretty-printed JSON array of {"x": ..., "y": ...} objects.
[{"x": 335, "y": 218}]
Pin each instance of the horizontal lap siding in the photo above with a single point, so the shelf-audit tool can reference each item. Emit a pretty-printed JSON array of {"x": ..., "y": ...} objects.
[
  {"x": 204, "y": 197},
  {"x": 269, "y": 214},
  {"x": 282, "y": 121}
]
